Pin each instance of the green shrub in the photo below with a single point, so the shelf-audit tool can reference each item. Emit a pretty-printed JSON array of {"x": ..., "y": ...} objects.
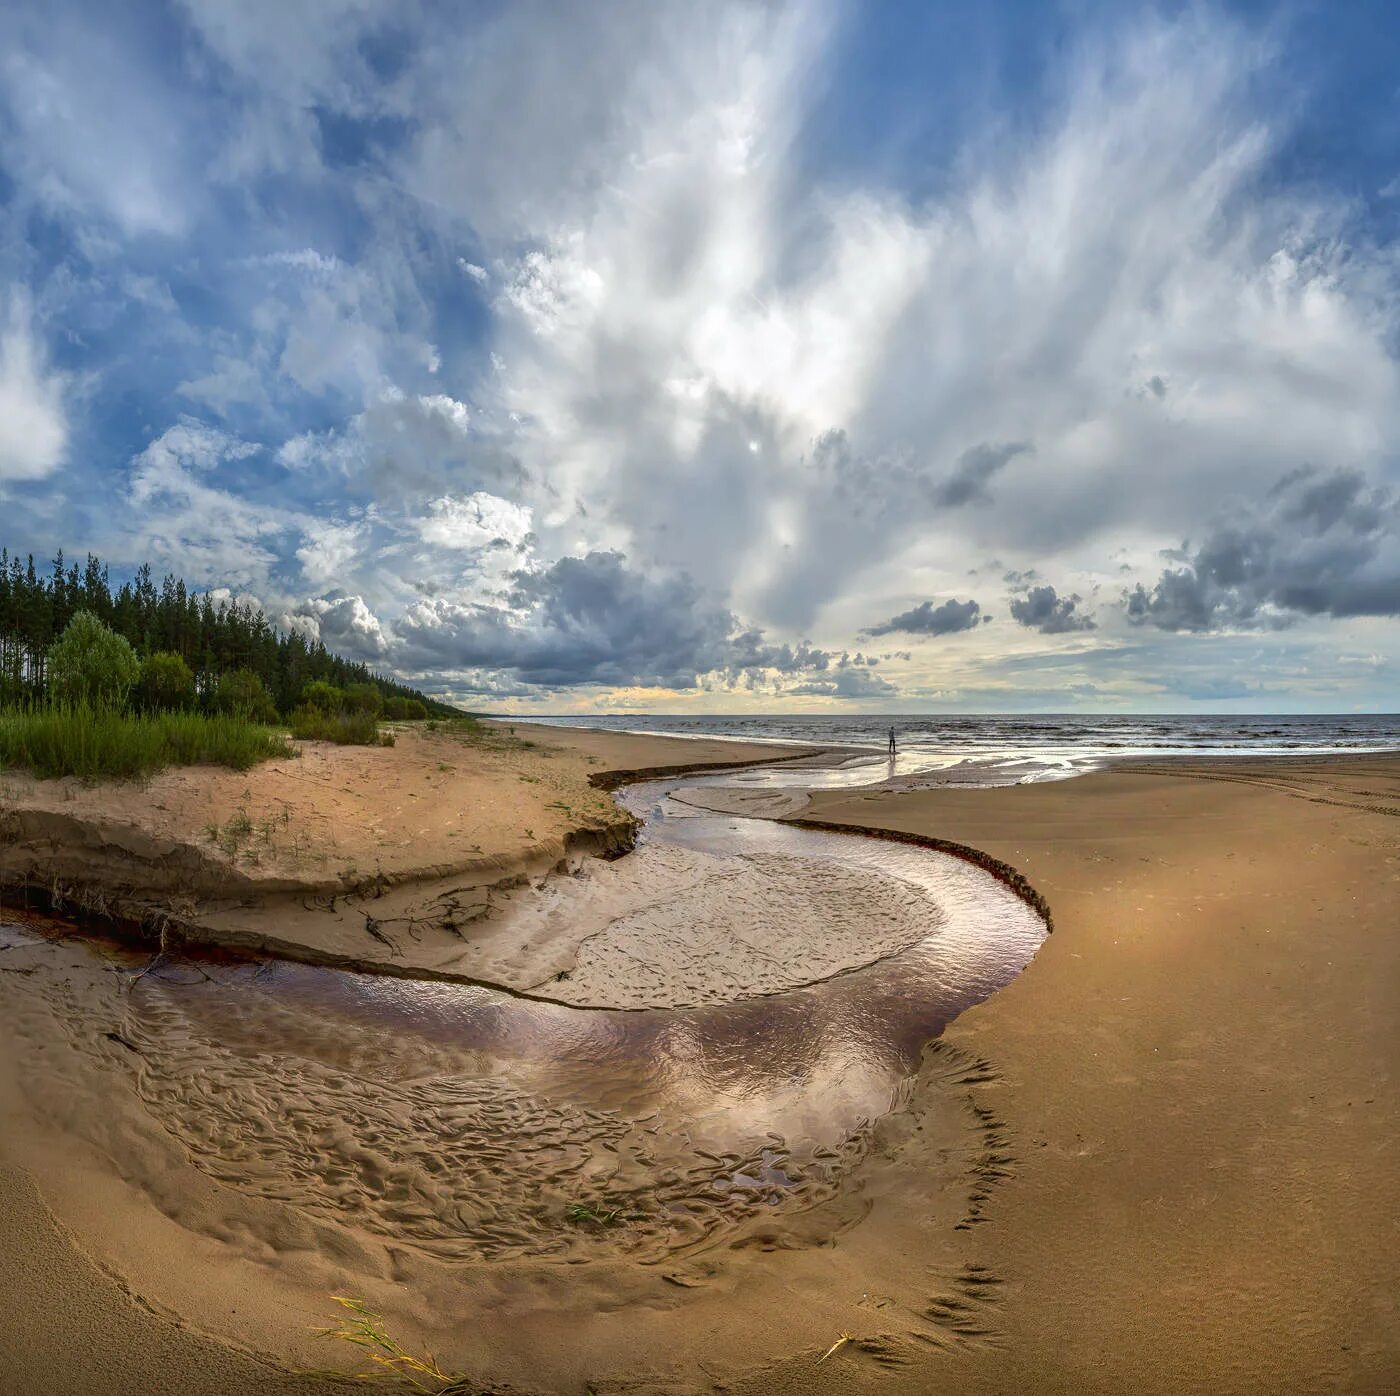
[
  {"x": 240, "y": 693},
  {"x": 405, "y": 709},
  {"x": 90, "y": 665},
  {"x": 343, "y": 728},
  {"x": 363, "y": 698},
  {"x": 322, "y": 696},
  {"x": 166, "y": 684},
  {"x": 101, "y": 743}
]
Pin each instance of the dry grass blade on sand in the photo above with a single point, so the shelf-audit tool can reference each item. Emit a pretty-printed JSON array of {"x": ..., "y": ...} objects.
[{"x": 391, "y": 1362}]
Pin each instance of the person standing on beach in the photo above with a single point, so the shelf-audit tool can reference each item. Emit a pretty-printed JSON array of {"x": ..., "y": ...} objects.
[{"x": 891, "y": 741}]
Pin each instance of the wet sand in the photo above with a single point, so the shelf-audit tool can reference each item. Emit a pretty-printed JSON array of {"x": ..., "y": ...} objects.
[
  {"x": 420, "y": 1144},
  {"x": 1159, "y": 1160},
  {"x": 1198, "y": 1074}
]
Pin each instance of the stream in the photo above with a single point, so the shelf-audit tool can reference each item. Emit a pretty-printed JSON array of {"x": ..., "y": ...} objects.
[{"x": 476, "y": 1125}]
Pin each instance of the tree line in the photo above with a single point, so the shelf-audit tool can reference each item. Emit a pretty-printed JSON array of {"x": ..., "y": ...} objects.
[{"x": 213, "y": 639}]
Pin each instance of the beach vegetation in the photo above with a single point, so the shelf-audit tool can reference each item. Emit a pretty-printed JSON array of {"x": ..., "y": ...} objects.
[
  {"x": 102, "y": 743},
  {"x": 166, "y": 683},
  {"x": 342, "y": 727},
  {"x": 213, "y": 635},
  {"x": 91, "y": 666},
  {"x": 348, "y": 716},
  {"x": 388, "y": 1360},
  {"x": 241, "y": 693},
  {"x": 362, "y": 698},
  {"x": 107, "y": 683},
  {"x": 322, "y": 697},
  {"x": 405, "y": 709},
  {"x": 583, "y": 1213},
  {"x": 241, "y": 835},
  {"x": 586, "y": 1214}
]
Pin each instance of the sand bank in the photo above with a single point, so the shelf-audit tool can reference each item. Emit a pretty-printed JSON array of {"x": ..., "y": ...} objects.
[
  {"x": 398, "y": 859},
  {"x": 1160, "y": 1160}
]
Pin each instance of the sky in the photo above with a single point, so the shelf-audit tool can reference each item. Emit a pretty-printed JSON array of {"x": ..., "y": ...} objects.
[{"x": 728, "y": 357}]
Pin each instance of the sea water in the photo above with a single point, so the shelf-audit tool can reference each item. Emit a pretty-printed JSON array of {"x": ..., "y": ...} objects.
[{"x": 1008, "y": 749}]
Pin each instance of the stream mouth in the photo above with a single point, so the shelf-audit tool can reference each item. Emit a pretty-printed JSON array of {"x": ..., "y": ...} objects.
[{"x": 474, "y": 1125}]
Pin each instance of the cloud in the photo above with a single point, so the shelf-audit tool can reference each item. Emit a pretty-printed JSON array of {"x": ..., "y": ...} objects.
[
  {"x": 1043, "y": 609},
  {"x": 478, "y": 521},
  {"x": 347, "y": 626},
  {"x": 595, "y": 620},
  {"x": 33, "y": 418},
  {"x": 62, "y": 75},
  {"x": 975, "y": 467},
  {"x": 672, "y": 304},
  {"x": 329, "y": 551},
  {"x": 184, "y": 491},
  {"x": 1319, "y": 545},
  {"x": 478, "y": 302},
  {"x": 850, "y": 685},
  {"x": 407, "y": 448},
  {"x": 458, "y": 685},
  {"x": 928, "y": 619}
]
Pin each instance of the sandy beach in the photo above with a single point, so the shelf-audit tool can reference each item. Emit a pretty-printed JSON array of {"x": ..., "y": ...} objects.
[
  {"x": 1199, "y": 1074},
  {"x": 1160, "y": 1159}
]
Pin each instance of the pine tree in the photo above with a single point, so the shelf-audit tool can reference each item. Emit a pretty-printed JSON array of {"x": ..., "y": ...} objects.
[{"x": 212, "y": 639}]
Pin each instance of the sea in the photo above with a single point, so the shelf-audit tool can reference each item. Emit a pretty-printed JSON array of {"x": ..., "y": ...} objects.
[{"x": 1011, "y": 749}]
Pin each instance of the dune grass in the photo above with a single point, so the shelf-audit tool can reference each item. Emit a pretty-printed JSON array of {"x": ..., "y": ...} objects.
[
  {"x": 344, "y": 728},
  {"x": 98, "y": 744},
  {"x": 598, "y": 1216}
]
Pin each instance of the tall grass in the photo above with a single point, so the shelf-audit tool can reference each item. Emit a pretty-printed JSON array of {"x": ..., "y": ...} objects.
[
  {"x": 100, "y": 744},
  {"x": 344, "y": 728}
]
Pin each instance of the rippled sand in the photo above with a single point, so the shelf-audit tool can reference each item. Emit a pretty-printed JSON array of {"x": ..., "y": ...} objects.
[{"x": 236, "y": 1147}]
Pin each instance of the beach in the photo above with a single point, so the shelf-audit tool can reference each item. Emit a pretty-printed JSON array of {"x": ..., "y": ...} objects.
[
  {"x": 1199, "y": 1069},
  {"x": 1158, "y": 1159}
]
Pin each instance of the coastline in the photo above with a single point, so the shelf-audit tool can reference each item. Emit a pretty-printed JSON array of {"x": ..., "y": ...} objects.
[{"x": 1164, "y": 1208}]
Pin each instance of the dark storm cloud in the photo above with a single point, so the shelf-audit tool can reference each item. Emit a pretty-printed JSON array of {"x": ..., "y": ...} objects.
[
  {"x": 473, "y": 683},
  {"x": 928, "y": 619},
  {"x": 975, "y": 467},
  {"x": 850, "y": 684},
  {"x": 1043, "y": 609},
  {"x": 595, "y": 619},
  {"x": 1320, "y": 545}
]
